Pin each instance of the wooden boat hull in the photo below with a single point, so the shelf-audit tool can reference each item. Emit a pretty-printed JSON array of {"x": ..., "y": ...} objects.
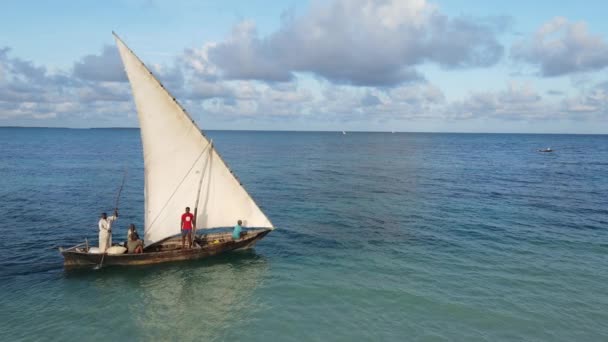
[{"x": 167, "y": 251}]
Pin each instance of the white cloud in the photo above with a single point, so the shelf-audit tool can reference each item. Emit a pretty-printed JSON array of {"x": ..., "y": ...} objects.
[
  {"x": 593, "y": 101},
  {"x": 521, "y": 101},
  {"x": 359, "y": 42},
  {"x": 103, "y": 67},
  {"x": 518, "y": 101},
  {"x": 30, "y": 92},
  {"x": 560, "y": 47}
]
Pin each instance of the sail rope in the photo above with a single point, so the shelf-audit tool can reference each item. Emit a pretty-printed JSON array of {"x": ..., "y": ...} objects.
[
  {"x": 200, "y": 186},
  {"x": 177, "y": 188}
]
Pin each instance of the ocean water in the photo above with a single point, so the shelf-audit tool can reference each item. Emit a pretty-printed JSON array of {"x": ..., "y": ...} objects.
[{"x": 380, "y": 237}]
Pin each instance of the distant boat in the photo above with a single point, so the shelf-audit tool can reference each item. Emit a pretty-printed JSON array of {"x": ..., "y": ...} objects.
[
  {"x": 181, "y": 168},
  {"x": 343, "y": 132},
  {"x": 548, "y": 149}
]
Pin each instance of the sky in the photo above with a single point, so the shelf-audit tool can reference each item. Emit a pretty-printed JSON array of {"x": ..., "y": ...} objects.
[{"x": 353, "y": 65}]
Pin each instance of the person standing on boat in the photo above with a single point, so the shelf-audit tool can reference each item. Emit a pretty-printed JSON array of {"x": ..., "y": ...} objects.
[
  {"x": 236, "y": 233},
  {"x": 105, "y": 230},
  {"x": 186, "y": 226}
]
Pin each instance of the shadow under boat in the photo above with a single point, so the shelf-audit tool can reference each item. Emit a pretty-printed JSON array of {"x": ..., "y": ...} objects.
[{"x": 168, "y": 250}]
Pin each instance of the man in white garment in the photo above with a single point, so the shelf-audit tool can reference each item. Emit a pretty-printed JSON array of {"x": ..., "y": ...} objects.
[{"x": 105, "y": 230}]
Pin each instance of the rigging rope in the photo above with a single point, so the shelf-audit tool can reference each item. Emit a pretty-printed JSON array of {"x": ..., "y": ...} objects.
[{"x": 176, "y": 188}]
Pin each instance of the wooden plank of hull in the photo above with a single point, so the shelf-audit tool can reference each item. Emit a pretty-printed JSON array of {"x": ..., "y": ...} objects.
[{"x": 77, "y": 258}]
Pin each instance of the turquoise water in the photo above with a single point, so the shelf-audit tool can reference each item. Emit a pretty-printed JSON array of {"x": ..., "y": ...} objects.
[{"x": 392, "y": 237}]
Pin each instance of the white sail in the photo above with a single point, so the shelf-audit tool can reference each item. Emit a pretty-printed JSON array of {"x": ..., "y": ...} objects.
[{"x": 176, "y": 156}]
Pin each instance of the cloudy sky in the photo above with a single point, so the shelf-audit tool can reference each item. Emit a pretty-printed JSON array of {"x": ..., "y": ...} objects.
[{"x": 403, "y": 65}]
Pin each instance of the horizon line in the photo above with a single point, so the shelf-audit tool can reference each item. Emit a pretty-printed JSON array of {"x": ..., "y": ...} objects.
[{"x": 318, "y": 131}]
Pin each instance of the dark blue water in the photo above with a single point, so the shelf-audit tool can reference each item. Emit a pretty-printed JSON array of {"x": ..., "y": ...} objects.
[{"x": 380, "y": 237}]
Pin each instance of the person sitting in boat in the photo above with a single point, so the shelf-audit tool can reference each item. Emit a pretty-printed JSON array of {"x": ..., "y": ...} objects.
[
  {"x": 236, "y": 233},
  {"x": 105, "y": 230},
  {"x": 186, "y": 226},
  {"x": 135, "y": 245},
  {"x": 132, "y": 230}
]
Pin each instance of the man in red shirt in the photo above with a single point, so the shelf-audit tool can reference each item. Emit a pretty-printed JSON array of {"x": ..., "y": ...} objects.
[{"x": 186, "y": 225}]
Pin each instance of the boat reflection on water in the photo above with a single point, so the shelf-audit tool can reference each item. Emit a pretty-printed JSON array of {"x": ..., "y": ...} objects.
[{"x": 198, "y": 300}]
